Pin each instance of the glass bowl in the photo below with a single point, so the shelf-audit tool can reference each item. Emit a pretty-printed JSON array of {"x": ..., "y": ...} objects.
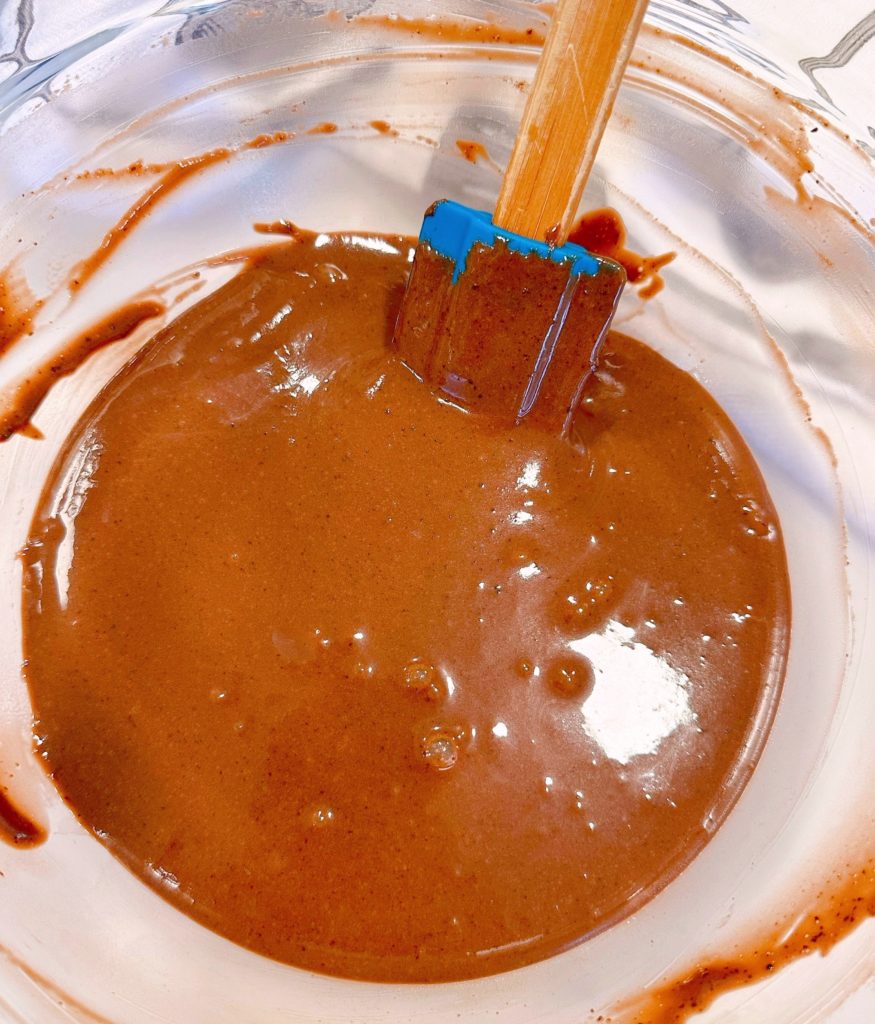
[{"x": 739, "y": 142}]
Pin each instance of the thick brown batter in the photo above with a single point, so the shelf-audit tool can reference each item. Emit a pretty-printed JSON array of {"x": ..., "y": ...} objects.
[{"x": 366, "y": 682}]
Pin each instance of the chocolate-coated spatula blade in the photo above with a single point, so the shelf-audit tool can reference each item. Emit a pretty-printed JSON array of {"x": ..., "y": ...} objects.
[{"x": 503, "y": 324}]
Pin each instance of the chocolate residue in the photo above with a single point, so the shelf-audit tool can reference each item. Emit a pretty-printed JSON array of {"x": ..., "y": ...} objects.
[
  {"x": 170, "y": 180},
  {"x": 603, "y": 232},
  {"x": 472, "y": 151},
  {"x": 140, "y": 168},
  {"x": 836, "y": 914},
  {"x": 383, "y": 127},
  {"x": 17, "y": 829},
  {"x": 433, "y": 600},
  {"x": 276, "y": 227},
  {"x": 172, "y": 176},
  {"x": 29, "y": 394},
  {"x": 61, "y": 998},
  {"x": 766, "y": 119},
  {"x": 457, "y": 31},
  {"x": 17, "y": 310},
  {"x": 266, "y": 139},
  {"x": 136, "y": 169}
]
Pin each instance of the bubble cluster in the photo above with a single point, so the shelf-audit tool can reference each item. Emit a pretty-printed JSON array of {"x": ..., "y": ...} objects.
[
  {"x": 440, "y": 749},
  {"x": 423, "y": 679}
]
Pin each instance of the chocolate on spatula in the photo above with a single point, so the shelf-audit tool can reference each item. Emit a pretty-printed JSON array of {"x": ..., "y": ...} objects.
[
  {"x": 499, "y": 314},
  {"x": 503, "y": 324}
]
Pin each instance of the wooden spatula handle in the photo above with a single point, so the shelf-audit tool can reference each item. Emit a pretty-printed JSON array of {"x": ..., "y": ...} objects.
[{"x": 578, "y": 76}]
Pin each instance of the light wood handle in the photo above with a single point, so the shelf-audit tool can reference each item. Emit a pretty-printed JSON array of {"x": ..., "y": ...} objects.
[{"x": 577, "y": 79}]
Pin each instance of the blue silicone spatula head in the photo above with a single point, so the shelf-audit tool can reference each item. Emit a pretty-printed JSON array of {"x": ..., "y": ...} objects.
[
  {"x": 452, "y": 230},
  {"x": 499, "y": 314}
]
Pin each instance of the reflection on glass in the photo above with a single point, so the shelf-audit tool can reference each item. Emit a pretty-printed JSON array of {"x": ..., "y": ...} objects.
[{"x": 638, "y": 699}]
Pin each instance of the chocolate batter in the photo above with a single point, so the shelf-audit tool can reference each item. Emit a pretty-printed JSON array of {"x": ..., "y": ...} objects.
[{"x": 371, "y": 683}]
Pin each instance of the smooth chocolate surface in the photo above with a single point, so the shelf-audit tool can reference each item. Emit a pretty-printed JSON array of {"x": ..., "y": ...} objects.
[{"x": 373, "y": 684}]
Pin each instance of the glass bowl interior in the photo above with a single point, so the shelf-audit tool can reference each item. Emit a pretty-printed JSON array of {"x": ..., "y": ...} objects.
[{"x": 763, "y": 200}]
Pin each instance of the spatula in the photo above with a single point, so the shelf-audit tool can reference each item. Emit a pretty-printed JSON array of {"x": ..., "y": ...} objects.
[{"x": 501, "y": 314}]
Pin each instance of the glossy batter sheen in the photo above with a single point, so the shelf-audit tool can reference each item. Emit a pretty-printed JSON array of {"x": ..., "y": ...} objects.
[{"x": 370, "y": 685}]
